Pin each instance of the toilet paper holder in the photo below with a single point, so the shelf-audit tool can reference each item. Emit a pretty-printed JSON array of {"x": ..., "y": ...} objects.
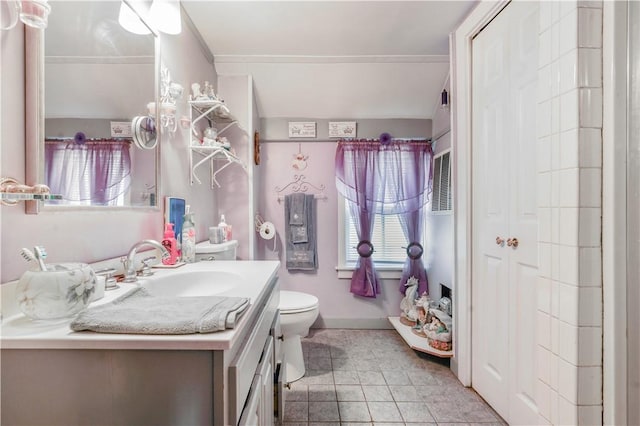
[{"x": 267, "y": 230}]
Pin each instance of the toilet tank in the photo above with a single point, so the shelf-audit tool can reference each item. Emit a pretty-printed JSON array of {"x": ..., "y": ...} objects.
[{"x": 223, "y": 251}]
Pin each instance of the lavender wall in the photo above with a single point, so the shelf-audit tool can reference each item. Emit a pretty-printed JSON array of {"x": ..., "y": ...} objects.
[
  {"x": 92, "y": 235},
  {"x": 234, "y": 194},
  {"x": 338, "y": 307},
  {"x": 440, "y": 225}
]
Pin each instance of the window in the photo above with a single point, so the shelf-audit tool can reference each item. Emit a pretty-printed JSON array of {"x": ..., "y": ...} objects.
[
  {"x": 95, "y": 172},
  {"x": 388, "y": 241}
]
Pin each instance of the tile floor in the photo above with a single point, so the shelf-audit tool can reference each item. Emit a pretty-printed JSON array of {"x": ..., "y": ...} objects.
[{"x": 371, "y": 377}]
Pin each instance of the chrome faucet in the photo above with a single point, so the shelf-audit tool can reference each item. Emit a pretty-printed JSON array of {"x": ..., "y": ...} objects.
[{"x": 129, "y": 261}]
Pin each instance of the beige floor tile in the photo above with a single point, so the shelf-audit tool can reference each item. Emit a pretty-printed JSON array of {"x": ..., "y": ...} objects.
[
  {"x": 454, "y": 412},
  {"x": 396, "y": 377},
  {"x": 384, "y": 412},
  {"x": 323, "y": 411},
  {"x": 354, "y": 411},
  {"x": 322, "y": 393},
  {"x": 346, "y": 377},
  {"x": 377, "y": 393},
  {"x": 349, "y": 393},
  {"x": 296, "y": 411},
  {"x": 415, "y": 412},
  {"x": 405, "y": 393}
]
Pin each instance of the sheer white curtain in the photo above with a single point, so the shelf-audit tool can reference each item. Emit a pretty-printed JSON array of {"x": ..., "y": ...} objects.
[{"x": 96, "y": 172}]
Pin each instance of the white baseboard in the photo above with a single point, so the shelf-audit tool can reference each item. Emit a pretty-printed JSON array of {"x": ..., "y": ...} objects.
[{"x": 356, "y": 324}]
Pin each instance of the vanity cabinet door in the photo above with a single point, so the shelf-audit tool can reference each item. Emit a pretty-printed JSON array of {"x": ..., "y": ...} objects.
[
  {"x": 258, "y": 410},
  {"x": 266, "y": 374},
  {"x": 278, "y": 370},
  {"x": 253, "y": 410}
]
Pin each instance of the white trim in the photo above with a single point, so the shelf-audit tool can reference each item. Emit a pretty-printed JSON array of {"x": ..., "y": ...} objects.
[
  {"x": 304, "y": 59},
  {"x": 251, "y": 171},
  {"x": 353, "y": 323},
  {"x": 346, "y": 272},
  {"x": 114, "y": 60},
  {"x": 460, "y": 48},
  {"x": 342, "y": 235},
  {"x": 614, "y": 210}
]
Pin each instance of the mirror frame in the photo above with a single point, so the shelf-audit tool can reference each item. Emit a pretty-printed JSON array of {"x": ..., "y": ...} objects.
[{"x": 35, "y": 115}]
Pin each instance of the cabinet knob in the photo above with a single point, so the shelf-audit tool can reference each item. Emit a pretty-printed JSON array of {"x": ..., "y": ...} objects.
[
  {"x": 499, "y": 241},
  {"x": 512, "y": 242},
  {"x": 281, "y": 337}
]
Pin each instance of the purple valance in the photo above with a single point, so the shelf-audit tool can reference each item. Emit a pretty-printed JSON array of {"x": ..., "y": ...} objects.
[{"x": 401, "y": 170}]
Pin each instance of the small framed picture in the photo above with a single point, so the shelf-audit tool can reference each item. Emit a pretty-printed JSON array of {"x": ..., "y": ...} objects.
[
  {"x": 302, "y": 129},
  {"x": 342, "y": 129}
]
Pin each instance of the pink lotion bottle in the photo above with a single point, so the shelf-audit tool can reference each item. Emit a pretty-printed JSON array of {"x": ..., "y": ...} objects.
[{"x": 170, "y": 243}]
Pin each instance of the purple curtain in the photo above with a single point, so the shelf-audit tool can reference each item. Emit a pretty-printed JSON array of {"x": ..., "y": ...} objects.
[
  {"x": 393, "y": 178},
  {"x": 97, "y": 172}
]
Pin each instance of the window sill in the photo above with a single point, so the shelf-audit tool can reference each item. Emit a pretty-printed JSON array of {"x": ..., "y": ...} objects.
[{"x": 385, "y": 273}]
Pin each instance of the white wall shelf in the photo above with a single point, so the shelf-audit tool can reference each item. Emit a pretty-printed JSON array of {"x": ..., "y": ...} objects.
[
  {"x": 217, "y": 156},
  {"x": 416, "y": 342},
  {"x": 20, "y": 196}
]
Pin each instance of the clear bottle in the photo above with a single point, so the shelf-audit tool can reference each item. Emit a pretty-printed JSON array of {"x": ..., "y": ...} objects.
[
  {"x": 223, "y": 225},
  {"x": 188, "y": 237}
]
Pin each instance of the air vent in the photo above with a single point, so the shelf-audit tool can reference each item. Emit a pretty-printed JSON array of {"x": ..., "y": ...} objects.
[{"x": 441, "y": 200}]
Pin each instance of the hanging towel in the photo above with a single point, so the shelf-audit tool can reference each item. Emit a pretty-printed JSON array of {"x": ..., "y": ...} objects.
[
  {"x": 298, "y": 218},
  {"x": 297, "y": 209},
  {"x": 139, "y": 312},
  {"x": 301, "y": 240}
]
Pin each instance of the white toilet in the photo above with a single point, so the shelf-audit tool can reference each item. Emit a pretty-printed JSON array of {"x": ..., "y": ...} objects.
[{"x": 298, "y": 311}]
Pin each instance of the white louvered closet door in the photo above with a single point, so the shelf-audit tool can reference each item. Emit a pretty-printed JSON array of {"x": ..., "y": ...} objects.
[{"x": 504, "y": 201}]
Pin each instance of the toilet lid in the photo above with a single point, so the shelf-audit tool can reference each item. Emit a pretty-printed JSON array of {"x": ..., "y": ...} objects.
[{"x": 295, "y": 301}]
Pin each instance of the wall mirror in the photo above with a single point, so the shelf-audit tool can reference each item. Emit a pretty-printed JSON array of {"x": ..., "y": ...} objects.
[{"x": 86, "y": 79}]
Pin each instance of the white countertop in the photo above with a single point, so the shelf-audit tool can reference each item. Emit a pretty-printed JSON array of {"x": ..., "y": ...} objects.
[{"x": 19, "y": 332}]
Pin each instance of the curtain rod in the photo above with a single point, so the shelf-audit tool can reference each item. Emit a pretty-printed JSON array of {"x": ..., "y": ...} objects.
[
  {"x": 441, "y": 135},
  {"x": 338, "y": 140},
  {"x": 70, "y": 139},
  {"x": 297, "y": 140}
]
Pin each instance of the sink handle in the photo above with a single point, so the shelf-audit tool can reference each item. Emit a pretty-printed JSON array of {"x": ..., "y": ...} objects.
[
  {"x": 146, "y": 268},
  {"x": 110, "y": 283}
]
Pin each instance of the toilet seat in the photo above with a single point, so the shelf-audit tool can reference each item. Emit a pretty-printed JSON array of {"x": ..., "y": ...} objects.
[{"x": 294, "y": 302}]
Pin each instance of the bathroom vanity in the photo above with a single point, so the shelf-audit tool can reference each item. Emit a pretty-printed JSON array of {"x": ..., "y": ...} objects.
[{"x": 52, "y": 375}]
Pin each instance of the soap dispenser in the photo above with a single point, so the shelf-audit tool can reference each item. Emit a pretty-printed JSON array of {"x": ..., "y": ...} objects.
[
  {"x": 170, "y": 243},
  {"x": 226, "y": 229},
  {"x": 188, "y": 237}
]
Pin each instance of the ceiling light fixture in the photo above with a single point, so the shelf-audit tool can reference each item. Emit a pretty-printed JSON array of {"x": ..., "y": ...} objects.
[
  {"x": 161, "y": 15},
  {"x": 165, "y": 16},
  {"x": 130, "y": 20}
]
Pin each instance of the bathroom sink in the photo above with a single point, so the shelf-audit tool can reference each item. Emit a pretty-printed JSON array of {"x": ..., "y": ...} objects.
[{"x": 193, "y": 283}]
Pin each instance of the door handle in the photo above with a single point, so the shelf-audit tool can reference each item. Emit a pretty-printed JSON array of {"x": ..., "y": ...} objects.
[
  {"x": 512, "y": 242},
  {"x": 499, "y": 241}
]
